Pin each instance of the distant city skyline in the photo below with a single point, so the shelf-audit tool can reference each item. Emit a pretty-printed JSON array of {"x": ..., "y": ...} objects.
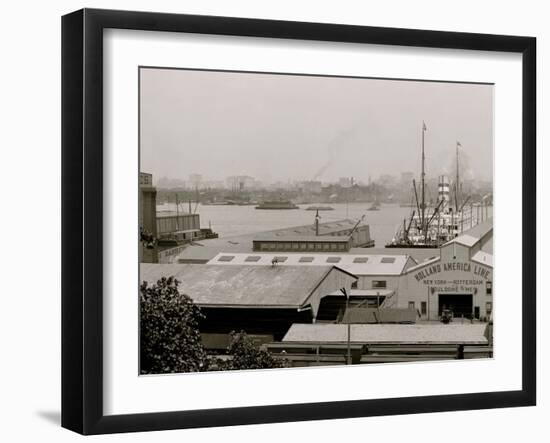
[
  {"x": 280, "y": 128},
  {"x": 250, "y": 181}
]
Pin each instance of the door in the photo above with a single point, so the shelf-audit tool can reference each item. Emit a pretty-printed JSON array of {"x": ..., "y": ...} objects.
[{"x": 459, "y": 304}]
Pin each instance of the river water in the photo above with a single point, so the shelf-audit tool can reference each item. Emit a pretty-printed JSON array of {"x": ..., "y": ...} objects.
[{"x": 231, "y": 220}]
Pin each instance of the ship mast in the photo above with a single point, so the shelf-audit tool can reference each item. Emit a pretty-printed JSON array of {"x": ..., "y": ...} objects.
[
  {"x": 423, "y": 205},
  {"x": 457, "y": 185}
]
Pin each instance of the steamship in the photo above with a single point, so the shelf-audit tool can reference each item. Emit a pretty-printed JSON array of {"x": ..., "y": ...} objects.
[{"x": 431, "y": 227}]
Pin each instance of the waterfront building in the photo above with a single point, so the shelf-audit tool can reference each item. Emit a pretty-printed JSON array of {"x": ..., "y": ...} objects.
[
  {"x": 459, "y": 278},
  {"x": 377, "y": 275},
  {"x": 297, "y": 243},
  {"x": 311, "y": 187},
  {"x": 178, "y": 228},
  {"x": 335, "y": 344},
  {"x": 261, "y": 300},
  {"x": 147, "y": 202},
  {"x": 345, "y": 182},
  {"x": 163, "y": 234},
  {"x": 336, "y": 236}
]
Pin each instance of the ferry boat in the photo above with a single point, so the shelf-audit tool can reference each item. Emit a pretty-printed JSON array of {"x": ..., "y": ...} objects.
[{"x": 279, "y": 204}]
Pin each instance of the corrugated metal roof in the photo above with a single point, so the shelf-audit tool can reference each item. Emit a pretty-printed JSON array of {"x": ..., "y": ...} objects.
[
  {"x": 374, "y": 334},
  {"x": 421, "y": 265},
  {"x": 373, "y": 315},
  {"x": 325, "y": 228},
  {"x": 418, "y": 254},
  {"x": 474, "y": 235},
  {"x": 208, "y": 249},
  {"x": 483, "y": 258},
  {"x": 241, "y": 286},
  {"x": 375, "y": 264}
]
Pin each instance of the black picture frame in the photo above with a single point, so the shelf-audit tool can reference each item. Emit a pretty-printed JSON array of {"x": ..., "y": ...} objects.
[{"x": 82, "y": 215}]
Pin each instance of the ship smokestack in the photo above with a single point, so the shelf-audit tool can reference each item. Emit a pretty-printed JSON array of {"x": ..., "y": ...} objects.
[{"x": 443, "y": 190}]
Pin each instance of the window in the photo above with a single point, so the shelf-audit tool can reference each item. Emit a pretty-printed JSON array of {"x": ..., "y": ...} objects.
[
  {"x": 489, "y": 288},
  {"x": 360, "y": 260},
  {"x": 281, "y": 259},
  {"x": 411, "y": 305},
  {"x": 423, "y": 308},
  {"x": 489, "y": 307},
  {"x": 333, "y": 259},
  {"x": 305, "y": 259},
  {"x": 387, "y": 260},
  {"x": 226, "y": 258},
  {"x": 295, "y": 245},
  {"x": 354, "y": 285},
  {"x": 379, "y": 284},
  {"x": 252, "y": 258}
]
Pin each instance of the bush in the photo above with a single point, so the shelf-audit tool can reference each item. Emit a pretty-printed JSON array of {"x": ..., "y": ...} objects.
[
  {"x": 244, "y": 355},
  {"x": 169, "y": 335}
]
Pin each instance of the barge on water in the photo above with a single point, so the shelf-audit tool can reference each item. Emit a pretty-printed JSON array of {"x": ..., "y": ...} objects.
[
  {"x": 319, "y": 208},
  {"x": 278, "y": 204}
]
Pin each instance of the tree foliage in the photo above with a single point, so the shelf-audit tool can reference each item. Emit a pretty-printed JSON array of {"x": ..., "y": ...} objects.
[
  {"x": 245, "y": 355},
  {"x": 169, "y": 321}
]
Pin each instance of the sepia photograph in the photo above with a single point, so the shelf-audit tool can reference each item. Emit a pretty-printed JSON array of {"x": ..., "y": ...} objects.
[{"x": 290, "y": 220}]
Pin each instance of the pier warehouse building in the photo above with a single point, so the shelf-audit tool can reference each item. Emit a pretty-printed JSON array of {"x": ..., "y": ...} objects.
[
  {"x": 340, "y": 235},
  {"x": 377, "y": 284},
  {"x": 261, "y": 300},
  {"x": 460, "y": 278}
]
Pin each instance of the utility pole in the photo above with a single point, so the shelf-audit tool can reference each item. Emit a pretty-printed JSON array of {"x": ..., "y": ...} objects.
[
  {"x": 177, "y": 213},
  {"x": 348, "y": 355}
]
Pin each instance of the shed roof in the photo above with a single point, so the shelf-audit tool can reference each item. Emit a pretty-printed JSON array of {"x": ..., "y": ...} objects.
[
  {"x": 480, "y": 232},
  {"x": 242, "y": 286},
  {"x": 356, "y": 264},
  {"x": 325, "y": 228},
  {"x": 373, "y": 315},
  {"x": 483, "y": 258},
  {"x": 208, "y": 249},
  {"x": 388, "y": 333},
  {"x": 418, "y": 254}
]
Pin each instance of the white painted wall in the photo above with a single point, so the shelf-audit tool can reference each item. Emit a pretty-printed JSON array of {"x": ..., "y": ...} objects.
[{"x": 420, "y": 285}]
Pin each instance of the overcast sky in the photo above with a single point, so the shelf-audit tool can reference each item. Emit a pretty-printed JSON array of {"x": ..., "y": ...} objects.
[{"x": 281, "y": 127}]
